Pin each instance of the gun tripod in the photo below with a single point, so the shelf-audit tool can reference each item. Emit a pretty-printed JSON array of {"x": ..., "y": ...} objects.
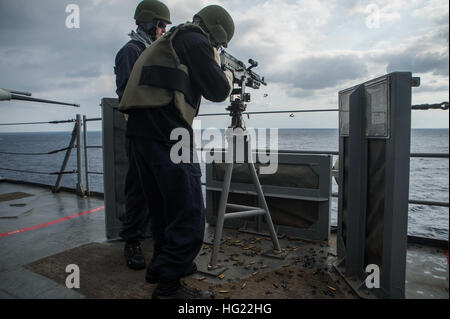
[{"x": 237, "y": 133}]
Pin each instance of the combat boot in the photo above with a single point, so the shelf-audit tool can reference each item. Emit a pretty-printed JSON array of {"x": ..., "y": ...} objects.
[
  {"x": 133, "y": 255},
  {"x": 174, "y": 290}
]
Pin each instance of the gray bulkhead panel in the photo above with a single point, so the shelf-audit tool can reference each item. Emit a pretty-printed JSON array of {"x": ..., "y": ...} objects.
[
  {"x": 298, "y": 195},
  {"x": 374, "y": 150},
  {"x": 115, "y": 165}
]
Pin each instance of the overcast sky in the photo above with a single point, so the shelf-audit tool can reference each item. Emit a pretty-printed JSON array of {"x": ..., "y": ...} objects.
[{"x": 307, "y": 51}]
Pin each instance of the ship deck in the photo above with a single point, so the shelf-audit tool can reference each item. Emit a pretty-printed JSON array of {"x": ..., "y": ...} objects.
[{"x": 42, "y": 232}]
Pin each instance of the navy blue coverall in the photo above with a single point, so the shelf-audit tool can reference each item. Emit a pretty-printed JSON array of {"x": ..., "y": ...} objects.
[{"x": 174, "y": 191}]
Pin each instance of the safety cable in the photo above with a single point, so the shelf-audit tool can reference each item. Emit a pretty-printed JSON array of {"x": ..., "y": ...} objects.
[
  {"x": 273, "y": 112},
  {"x": 97, "y": 173},
  {"x": 439, "y": 106},
  {"x": 35, "y": 172},
  {"x": 51, "y": 152},
  {"x": 49, "y": 122}
]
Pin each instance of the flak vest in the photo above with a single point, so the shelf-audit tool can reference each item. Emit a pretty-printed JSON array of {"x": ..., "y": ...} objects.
[{"x": 158, "y": 78}]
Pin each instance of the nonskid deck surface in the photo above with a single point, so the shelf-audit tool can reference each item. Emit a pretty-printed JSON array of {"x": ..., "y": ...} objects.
[
  {"x": 104, "y": 275},
  {"x": 39, "y": 231},
  {"x": 43, "y": 233}
]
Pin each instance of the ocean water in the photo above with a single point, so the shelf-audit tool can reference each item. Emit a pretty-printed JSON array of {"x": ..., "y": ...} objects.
[{"x": 429, "y": 178}]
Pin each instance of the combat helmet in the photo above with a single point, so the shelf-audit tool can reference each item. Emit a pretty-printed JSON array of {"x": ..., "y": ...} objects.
[
  {"x": 218, "y": 23},
  {"x": 149, "y": 10}
]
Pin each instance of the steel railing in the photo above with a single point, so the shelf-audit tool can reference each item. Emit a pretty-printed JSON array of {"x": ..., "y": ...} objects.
[{"x": 75, "y": 142}]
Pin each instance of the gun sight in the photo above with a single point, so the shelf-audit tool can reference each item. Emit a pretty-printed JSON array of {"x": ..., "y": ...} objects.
[{"x": 253, "y": 64}]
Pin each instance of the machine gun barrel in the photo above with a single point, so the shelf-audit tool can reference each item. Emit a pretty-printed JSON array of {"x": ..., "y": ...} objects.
[
  {"x": 7, "y": 95},
  {"x": 32, "y": 99}
]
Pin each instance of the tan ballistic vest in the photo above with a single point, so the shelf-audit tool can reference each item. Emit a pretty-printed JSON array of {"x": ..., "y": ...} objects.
[{"x": 158, "y": 77}]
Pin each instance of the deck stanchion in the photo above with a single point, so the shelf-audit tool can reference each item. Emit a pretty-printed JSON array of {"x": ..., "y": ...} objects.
[
  {"x": 79, "y": 165},
  {"x": 86, "y": 162},
  {"x": 66, "y": 159}
]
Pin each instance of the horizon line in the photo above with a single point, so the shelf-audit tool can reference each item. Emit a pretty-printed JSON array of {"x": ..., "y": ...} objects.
[{"x": 283, "y": 128}]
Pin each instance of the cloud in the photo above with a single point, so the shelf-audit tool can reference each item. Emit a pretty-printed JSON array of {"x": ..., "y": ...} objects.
[
  {"x": 40, "y": 54},
  {"x": 434, "y": 62},
  {"x": 277, "y": 29},
  {"x": 433, "y": 88},
  {"x": 435, "y": 10},
  {"x": 85, "y": 72},
  {"x": 307, "y": 50},
  {"x": 426, "y": 53},
  {"x": 386, "y": 10},
  {"x": 320, "y": 72}
]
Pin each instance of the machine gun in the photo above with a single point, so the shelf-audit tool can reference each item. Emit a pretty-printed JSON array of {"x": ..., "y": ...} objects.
[{"x": 243, "y": 77}]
